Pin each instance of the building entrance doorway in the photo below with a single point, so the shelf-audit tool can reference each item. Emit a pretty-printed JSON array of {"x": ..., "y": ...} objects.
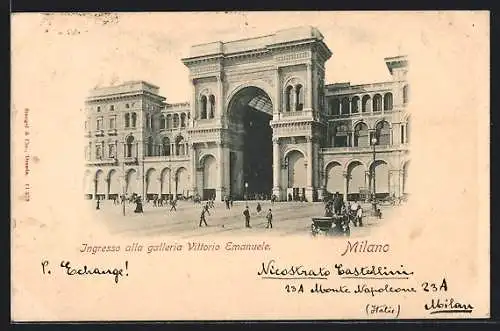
[{"x": 251, "y": 157}]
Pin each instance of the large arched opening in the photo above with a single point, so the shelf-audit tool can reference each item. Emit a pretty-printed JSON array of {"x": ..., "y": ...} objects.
[
  {"x": 114, "y": 184},
  {"x": 209, "y": 177},
  {"x": 100, "y": 181},
  {"x": 88, "y": 185},
  {"x": 381, "y": 178},
  {"x": 334, "y": 178},
  {"x": 181, "y": 181},
  {"x": 166, "y": 183},
  {"x": 131, "y": 182},
  {"x": 152, "y": 183},
  {"x": 356, "y": 189},
  {"x": 251, "y": 158},
  {"x": 296, "y": 174}
]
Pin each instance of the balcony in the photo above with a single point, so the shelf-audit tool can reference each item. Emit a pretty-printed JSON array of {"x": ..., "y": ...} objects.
[
  {"x": 365, "y": 149},
  {"x": 164, "y": 158},
  {"x": 99, "y": 133},
  {"x": 130, "y": 160},
  {"x": 112, "y": 132},
  {"x": 102, "y": 161}
]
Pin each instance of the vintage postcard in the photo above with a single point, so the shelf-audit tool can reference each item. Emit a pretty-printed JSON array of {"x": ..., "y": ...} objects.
[{"x": 250, "y": 166}]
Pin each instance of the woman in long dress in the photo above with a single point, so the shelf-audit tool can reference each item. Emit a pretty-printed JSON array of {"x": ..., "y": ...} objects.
[{"x": 138, "y": 206}]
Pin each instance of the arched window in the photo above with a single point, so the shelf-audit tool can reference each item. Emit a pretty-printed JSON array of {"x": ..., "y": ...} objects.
[
  {"x": 162, "y": 122},
  {"x": 341, "y": 136},
  {"x": 134, "y": 119},
  {"x": 405, "y": 94},
  {"x": 203, "y": 105},
  {"x": 345, "y": 106},
  {"x": 176, "y": 120},
  {"x": 383, "y": 133},
  {"x": 127, "y": 120},
  {"x": 361, "y": 135},
  {"x": 130, "y": 141},
  {"x": 299, "y": 96},
  {"x": 288, "y": 98},
  {"x": 212, "y": 106},
  {"x": 388, "y": 101},
  {"x": 335, "y": 107},
  {"x": 179, "y": 146},
  {"x": 365, "y": 104},
  {"x": 150, "y": 146},
  {"x": 355, "y": 105},
  {"x": 166, "y": 146},
  {"x": 169, "y": 121},
  {"x": 183, "y": 120},
  {"x": 377, "y": 102}
]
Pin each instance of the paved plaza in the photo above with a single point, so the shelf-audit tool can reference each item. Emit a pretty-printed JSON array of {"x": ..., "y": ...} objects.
[{"x": 289, "y": 218}]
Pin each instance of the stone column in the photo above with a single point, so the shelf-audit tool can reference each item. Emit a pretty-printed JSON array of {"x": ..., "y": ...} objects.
[
  {"x": 310, "y": 169},
  {"x": 107, "y": 188},
  {"x": 220, "y": 171},
  {"x": 194, "y": 163},
  {"x": 220, "y": 97},
  {"x": 276, "y": 168},
  {"x": 401, "y": 182},
  {"x": 278, "y": 100},
  {"x": 368, "y": 182},
  {"x": 346, "y": 184},
  {"x": 193, "y": 105},
  {"x": 293, "y": 100},
  {"x": 308, "y": 94}
]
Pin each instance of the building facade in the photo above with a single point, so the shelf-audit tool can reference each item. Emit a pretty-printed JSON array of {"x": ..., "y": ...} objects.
[{"x": 260, "y": 121}]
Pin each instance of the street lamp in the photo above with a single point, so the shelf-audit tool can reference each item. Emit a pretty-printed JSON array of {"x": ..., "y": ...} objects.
[
  {"x": 374, "y": 200},
  {"x": 246, "y": 190}
]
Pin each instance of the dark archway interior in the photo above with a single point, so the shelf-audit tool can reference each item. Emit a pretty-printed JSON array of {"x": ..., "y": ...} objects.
[{"x": 250, "y": 114}]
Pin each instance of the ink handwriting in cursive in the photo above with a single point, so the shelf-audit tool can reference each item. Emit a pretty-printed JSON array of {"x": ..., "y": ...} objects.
[
  {"x": 438, "y": 306},
  {"x": 90, "y": 271},
  {"x": 374, "y": 272},
  {"x": 269, "y": 270}
]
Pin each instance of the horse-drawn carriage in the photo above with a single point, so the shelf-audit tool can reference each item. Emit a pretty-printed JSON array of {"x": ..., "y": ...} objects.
[{"x": 336, "y": 225}]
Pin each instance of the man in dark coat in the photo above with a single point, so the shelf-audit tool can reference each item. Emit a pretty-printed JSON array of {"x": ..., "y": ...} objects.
[
  {"x": 204, "y": 210},
  {"x": 337, "y": 203},
  {"x": 269, "y": 218},
  {"x": 246, "y": 212}
]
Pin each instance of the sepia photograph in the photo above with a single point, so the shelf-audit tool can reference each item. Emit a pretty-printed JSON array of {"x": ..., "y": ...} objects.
[{"x": 250, "y": 165}]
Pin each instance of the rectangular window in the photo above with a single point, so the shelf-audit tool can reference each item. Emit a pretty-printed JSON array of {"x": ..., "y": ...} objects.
[
  {"x": 112, "y": 107},
  {"x": 98, "y": 154},
  {"x": 112, "y": 122},
  {"x": 99, "y": 124},
  {"x": 98, "y": 108},
  {"x": 111, "y": 151}
]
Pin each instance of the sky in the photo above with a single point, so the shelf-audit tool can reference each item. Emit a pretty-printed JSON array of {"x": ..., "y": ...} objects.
[{"x": 108, "y": 49}]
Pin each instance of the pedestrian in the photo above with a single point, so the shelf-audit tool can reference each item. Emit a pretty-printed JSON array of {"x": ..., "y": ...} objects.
[
  {"x": 98, "y": 206},
  {"x": 173, "y": 204},
  {"x": 226, "y": 200},
  {"x": 269, "y": 217},
  {"x": 138, "y": 205},
  {"x": 246, "y": 212},
  {"x": 231, "y": 201},
  {"x": 259, "y": 207},
  {"x": 204, "y": 211},
  {"x": 359, "y": 215}
]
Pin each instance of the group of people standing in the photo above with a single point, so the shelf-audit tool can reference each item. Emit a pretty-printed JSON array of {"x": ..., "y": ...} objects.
[
  {"x": 337, "y": 206},
  {"x": 246, "y": 213}
]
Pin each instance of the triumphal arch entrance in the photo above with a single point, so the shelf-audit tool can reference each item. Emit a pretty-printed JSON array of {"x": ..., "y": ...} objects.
[{"x": 256, "y": 108}]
